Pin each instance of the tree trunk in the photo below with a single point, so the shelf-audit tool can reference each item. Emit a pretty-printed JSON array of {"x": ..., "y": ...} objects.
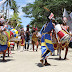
[
  {"x": 3, "y": 10},
  {"x": 6, "y": 9}
]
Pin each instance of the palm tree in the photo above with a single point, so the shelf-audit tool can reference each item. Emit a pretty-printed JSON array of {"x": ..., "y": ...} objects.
[
  {"x": 14, "y": 6},
  {"x": 11, "y": 4},
  {"x": 3, "y": 9},
  {"x": 15, "y": 20},
  {"x": 2, "y": 3},
  {"x": 8, "y": 5}
]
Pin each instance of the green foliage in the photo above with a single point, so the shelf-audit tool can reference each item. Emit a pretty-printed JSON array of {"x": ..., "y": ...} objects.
[
  {"x": 19, "y": 26},
  {"x": 38, "y": 13},
  {"x": 15, "y": 20},
  {"x": 14, "y": 6}
]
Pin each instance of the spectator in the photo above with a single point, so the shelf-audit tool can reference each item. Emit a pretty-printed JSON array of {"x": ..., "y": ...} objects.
[{"x": 27, "y": 38}]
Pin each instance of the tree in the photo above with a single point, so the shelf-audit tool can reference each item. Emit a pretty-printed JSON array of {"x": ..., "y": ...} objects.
[
  {"x": 38, "y": 13},
  {"x": 15, "y": 20},
  {"x": 14, "y": 6},
  {"x": 11, "y": 4},
  {"x": 19, "y": 26},
  {"x": 8, "y": 3}
]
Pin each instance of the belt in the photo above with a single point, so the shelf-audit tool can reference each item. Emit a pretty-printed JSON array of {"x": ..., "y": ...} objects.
[{"x": 46, "y": 33}]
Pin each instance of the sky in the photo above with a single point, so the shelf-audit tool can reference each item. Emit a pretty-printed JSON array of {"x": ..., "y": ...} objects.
[
  {"x": 22, "y": 3},
  {"x": 25, "y": 21}
]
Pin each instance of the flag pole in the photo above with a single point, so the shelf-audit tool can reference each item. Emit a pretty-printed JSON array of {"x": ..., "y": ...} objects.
[{"x": 47, "y": 9}]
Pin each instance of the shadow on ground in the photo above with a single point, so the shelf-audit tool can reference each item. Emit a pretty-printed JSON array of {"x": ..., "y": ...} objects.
[
  {"x": 33, "y": 51},
  {"x": 11, "y": 53},
  {"x": 6, "y": 56},
  {"x": 7, "y": 60},
  {"x": 57, "y": 59},
  {"x": 41, "y": 65}
]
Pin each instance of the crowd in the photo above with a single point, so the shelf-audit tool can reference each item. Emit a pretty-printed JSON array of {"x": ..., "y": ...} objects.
[
  {"x": 54, "y": 35},
  {"x": 29, "y": 37}
]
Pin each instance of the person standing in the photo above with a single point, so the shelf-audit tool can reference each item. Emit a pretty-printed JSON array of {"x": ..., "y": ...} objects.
[
  {"x": 66, "y": 28},
  {"x": 22, "y": 36},
  {"x": 27, "y": 38}
]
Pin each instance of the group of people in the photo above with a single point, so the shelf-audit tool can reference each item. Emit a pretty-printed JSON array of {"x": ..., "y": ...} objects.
[
  {"x": 4, "y": 37},
  {"x": 55, "y": 36},
  {"x": 28, "y": 37}
]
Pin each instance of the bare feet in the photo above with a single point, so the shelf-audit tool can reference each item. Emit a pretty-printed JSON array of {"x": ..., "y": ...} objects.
[
  {"x": 42, "y": 61},
  {"x": 36, "y": 50},
  {"x": 4, "y": 60},
  {"x": 59, "y": 58},
  {"x": 66, "y": 59},
  {"x": 46, "y": 64}
]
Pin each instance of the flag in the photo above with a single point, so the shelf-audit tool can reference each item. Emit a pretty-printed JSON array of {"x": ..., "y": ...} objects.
[
  {"x": 71, "y": 15},
  {"x": 49, "y": 27},
  {"x": 36, "y": 28},
  {"x": 51, "y": 16},
  {"x": 65, "y": 14}
]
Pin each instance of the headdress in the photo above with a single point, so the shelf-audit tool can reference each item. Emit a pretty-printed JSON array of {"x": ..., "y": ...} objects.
[{"x": 27, "y": 27}]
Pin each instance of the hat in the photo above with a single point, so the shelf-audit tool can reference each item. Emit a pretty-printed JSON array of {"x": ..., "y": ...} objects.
[{"x": 64, "y": 19}]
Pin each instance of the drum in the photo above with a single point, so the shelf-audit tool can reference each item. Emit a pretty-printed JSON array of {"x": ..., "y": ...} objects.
[
  {"x": 7, "y": 33},
  {"x": 64, "y": 37},
  {"x": 3, "y": 38},
  {"x": 12, "y": 44}
]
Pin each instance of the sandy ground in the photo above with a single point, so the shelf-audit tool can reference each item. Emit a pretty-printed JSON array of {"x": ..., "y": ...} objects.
[{"x": 29, "y": 61}]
